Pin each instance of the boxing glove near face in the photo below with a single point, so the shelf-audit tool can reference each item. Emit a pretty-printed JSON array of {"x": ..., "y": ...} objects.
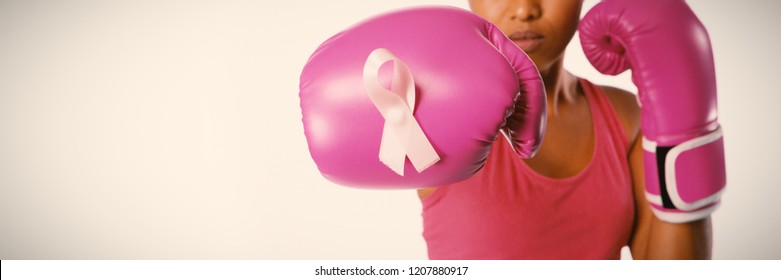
[
  {"x": 669, "y": 52},
  {"x": 415, "y": 98}
]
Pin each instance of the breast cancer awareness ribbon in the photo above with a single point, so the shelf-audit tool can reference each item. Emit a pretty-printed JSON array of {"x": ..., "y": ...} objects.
[{"x": 402, "y": 136}]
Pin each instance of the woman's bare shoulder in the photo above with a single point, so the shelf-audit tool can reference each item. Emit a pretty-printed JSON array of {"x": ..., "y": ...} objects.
[{"x": 627, "y": 108}]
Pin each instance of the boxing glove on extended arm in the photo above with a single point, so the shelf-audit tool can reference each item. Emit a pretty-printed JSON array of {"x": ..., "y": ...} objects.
[
  {"x": 669, "y": 52},
  {"x": 433, "y": 85}
]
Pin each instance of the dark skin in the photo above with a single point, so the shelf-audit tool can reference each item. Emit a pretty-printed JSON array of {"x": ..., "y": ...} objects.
[{"x": 564, "y": 152}]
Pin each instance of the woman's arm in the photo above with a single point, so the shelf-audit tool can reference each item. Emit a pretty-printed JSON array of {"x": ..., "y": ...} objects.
[{"x": 655, "y": 239}]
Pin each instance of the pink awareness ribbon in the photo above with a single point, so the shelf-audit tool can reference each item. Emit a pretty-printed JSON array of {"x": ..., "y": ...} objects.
[{"x": 402, "y": 136}]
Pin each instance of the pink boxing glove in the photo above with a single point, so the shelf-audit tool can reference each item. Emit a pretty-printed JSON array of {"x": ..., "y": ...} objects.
[
  {"x": 669, "y": 52},
  {"x": 415, "y": 99}
]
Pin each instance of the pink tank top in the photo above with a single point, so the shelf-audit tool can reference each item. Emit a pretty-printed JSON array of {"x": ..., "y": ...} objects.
[{"x": 509, "y": 211}]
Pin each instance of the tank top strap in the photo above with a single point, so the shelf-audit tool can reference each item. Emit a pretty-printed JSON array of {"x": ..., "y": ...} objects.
[{"x": 602, "y": 112}]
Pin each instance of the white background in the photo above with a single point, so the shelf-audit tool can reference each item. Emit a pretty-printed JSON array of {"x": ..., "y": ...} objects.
[{"x": 171, "y": 129}]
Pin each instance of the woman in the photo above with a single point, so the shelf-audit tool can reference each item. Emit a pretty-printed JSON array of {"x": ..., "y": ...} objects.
[{"x": 581, "y": 197}]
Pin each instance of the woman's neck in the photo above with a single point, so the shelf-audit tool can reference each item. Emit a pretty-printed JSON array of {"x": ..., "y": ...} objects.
[{"x": 560, "y": 86}]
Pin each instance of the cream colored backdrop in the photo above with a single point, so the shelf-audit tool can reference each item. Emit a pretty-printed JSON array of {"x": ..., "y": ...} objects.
[{"x": 171, "y": 129}]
